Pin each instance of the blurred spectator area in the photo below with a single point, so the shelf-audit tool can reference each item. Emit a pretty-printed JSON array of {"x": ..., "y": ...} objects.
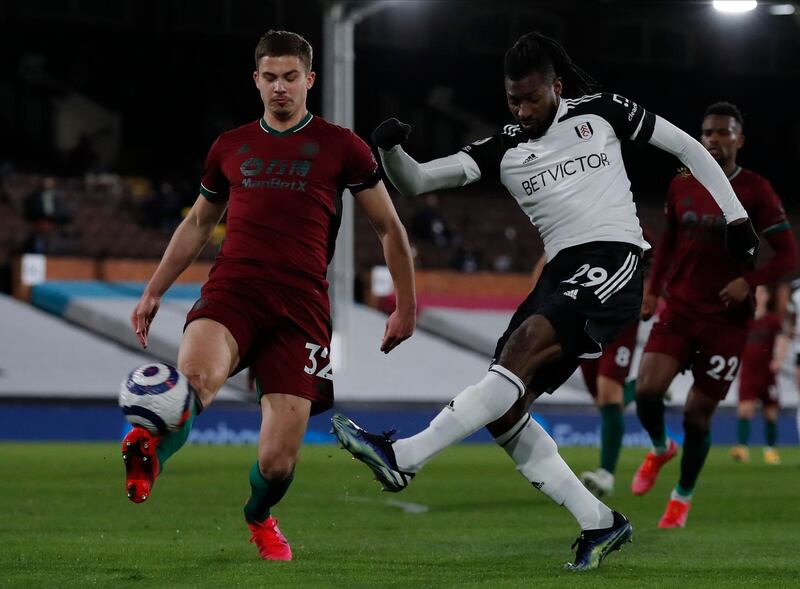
[
  {"x": 109, "y": 216},
  {"x": 131, "y": 217},
  {"x": 485, "y": 221}
]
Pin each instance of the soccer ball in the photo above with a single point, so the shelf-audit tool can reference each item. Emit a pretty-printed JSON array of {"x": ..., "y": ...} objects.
[{"x": 156, "y": 397}]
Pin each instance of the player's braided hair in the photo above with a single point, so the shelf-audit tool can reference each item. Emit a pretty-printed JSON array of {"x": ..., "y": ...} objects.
[
  {"x": 537, "y": 52},
  {"x": 726, "y": 109}
]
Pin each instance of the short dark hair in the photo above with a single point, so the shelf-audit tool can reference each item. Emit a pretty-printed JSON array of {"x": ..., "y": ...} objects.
[
  {"x": 534, "y": 52},
  {"x": 277, "y": 43},
  {"x": 725, "y": 109}
]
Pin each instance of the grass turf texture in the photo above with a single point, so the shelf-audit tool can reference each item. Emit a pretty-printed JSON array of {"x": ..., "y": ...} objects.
[{"x": 64, "y": 519}]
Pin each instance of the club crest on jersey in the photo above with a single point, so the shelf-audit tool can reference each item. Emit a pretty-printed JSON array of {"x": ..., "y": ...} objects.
[
  {"x": 310, "y": 149},
  {"x": 584, "y": 131}
]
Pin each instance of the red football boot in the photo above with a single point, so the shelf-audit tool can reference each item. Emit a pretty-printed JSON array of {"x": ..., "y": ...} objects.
[
  {"x": 141, "y": 463},
  {"x": 646, "y": 476},
  {"x": 269, "y": 540},
  {"x": 675, "y": 515}
]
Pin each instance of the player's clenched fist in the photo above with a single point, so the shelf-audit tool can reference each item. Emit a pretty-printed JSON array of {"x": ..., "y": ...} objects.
[
  {"x": 390, "y": 132},
  {"x": 741, "y": 241}
]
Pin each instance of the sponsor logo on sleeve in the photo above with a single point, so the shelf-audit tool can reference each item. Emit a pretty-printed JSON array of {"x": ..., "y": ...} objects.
[
  {"x": 628, "y": 105},
  {"x": 469, "y": 147}
]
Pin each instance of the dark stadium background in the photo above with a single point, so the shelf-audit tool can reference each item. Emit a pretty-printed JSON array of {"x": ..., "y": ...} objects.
[{"x": 178, "y": 72}]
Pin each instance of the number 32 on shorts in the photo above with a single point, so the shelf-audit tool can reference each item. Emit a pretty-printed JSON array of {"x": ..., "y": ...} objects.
[{"x": 311, "y": 368}]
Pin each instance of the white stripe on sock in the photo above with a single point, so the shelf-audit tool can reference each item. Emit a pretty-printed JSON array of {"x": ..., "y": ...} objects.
[{"x": 513, "y": 378}]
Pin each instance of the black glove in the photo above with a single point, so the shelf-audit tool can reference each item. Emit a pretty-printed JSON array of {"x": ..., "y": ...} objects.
[
  {"x": 741, "y": 240},
  {"x": 390, "y": 132}
]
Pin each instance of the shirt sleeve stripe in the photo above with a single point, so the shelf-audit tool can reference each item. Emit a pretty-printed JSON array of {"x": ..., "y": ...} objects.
[
  {"x": 368, "y": 183},
  {"x": 783, "y": 226},
  {"x": 209, "y": 194},
  {"x": 208, "y": 190},
  {"x": 645, "y": 131}
]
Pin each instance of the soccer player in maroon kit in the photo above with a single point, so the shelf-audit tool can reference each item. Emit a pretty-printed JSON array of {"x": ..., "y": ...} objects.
[
  {"x": 761, "y": 361},
  {"x": 708, "y": 306},
  {"x": 265, "y": 304}
]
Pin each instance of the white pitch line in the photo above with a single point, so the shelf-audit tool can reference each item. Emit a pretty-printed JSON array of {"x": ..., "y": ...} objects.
[
  {"x": 406, "y": 506},
  {"x": 414, "y": 508}
]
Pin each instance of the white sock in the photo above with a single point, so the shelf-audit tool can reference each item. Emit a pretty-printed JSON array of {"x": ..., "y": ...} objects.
[
  {"x": 536, "y": 455},
  {"x": 472, "y": 409},
  {"x": 678, "y": 497}
]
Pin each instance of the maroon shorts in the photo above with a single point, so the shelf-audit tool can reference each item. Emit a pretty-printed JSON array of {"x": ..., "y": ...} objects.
[
  {"x": 615, "y": 363},
  {"x": 283, "y": 334},
  {"x": 711, "y": 345},
  {"x": 758, "y": 384}
]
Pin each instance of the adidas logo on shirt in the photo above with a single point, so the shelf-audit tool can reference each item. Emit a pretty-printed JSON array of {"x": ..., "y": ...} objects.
[
  {"x": 573, "y": 294},
  {"x": 529, "y": 159}
]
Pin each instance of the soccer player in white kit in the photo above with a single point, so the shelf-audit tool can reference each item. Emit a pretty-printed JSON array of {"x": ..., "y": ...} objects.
[{"x": 561, "y": 161}]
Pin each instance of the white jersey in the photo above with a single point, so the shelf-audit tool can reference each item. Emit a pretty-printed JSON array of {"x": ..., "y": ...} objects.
[{"x": 571, "y": 181}]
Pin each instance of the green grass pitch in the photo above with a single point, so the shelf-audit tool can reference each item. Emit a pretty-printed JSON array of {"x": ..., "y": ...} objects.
[{"x": 65, "y": 522}]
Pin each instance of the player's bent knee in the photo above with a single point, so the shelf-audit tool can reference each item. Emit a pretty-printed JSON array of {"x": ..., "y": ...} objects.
[
  {"x": 656, "y": 372},
  {"x": 277, "y": 461},
  {"x": 695, "y": 427},
  {"x": 531, "y": 346},
  {"x": 204, "y": 382},
  {"x": 649, "y": 387},
  {"x": 276, "y": 470}
]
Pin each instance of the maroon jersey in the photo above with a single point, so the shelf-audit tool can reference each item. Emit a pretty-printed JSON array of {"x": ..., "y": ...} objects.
[
  {"x": 701, "y": 266},
  {"x": 284, "y": 192},
  {"x": 758, "y": 351}
]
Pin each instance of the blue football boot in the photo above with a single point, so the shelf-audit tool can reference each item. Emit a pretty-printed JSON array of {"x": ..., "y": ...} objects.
[
  {"x": 374, "y": 451},
  {"x": 594, "y": 545}
]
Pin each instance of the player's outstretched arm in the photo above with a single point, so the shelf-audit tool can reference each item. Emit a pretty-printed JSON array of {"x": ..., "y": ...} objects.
[
  {"x": 381, "y": 212},
  {"x": 741, "y": 238},
  {"x": 185, "y": 245},
  {"x": 411, "y": 177}
]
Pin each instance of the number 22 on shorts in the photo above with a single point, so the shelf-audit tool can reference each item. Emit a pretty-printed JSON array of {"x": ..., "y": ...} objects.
[
  {"x": 314, "y": 351},
  {"x": 718, "y": 364}
]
